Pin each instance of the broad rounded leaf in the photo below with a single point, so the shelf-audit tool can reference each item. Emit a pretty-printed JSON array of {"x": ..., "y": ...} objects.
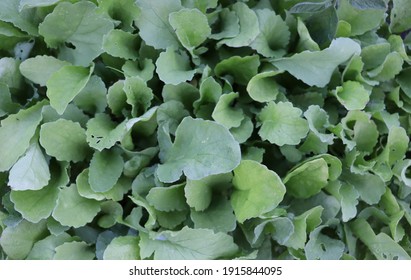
[
  {"x": 105, "y": 168},
  {"x": 251, "y": 179},
  {"x": 174, "y": 67},
  {"x": 123, "y": 248},
  {"x": 74, "y": 210},
  {"x": 201, "y": 148},
  {"x": 65, "y": 140},
  {"x": 282, "y": 124},
  {"x": 191, "y": 27}
]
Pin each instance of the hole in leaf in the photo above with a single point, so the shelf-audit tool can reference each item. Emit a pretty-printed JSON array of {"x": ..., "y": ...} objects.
[{"x": 70, "y": 45}]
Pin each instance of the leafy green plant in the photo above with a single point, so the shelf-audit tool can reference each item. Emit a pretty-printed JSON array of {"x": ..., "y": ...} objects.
[{"x": 191, "y": 129}]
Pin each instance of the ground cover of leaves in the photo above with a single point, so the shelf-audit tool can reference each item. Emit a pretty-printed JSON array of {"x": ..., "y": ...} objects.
[{"x": 192, "y": 129}]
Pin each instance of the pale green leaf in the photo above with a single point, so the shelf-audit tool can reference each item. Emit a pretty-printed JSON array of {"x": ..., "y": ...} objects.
[
  {"x": 15, "y": 134},
  {"x": 225, "y": 113},
  {"x": 315, "y": 68},
  {"x": 25, "y": 20},
  {"x": 153, "y": 23},
  {"x": 17, "y": 240},
  {"x": 249, "y": 27},
  {"x": 121, "y": 44},
  {"x": 39, "y": 69},
  {"x": 282, "y": 124},
  {"x": 191, "y": 27},
  {"x": 45, "y": 249},
  {"x": 65, "y": 140},
  {"x": 78, "y": 24},
  {"x": 263, "y": 87},
  {"x": 123, "y": 248},
  {"x": 105, "y": 169},
  {"x": 307, "y": 179},
  {"x": 102, "y": 133},
  {"x": 92, "y": 98},
  {"x": 187, "y": 244},
  {"x": 74, "y": 250},
  {"x": 31, "y": 171},
  {"x": 174, "y": 67},
  {"x": 322, "y": 247},
  {"x": 74, "y": 210},
  {"x": 201, "y": 148},
  {"x": 318, "y": 122},
  {"x": 241, "y": 69},
  {"x": 167, "y": 199},
  {"x": 251, "y": 179},
  {"x": 352, "y": 95},
  {"x": 400, "y": 16}
]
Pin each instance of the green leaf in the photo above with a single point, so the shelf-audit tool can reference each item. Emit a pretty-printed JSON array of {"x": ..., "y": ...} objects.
[
  {"x": 167, "y": 199},
  {"x": 102, "y": 133},
  {"x": 9, "y": 72},
  {"x": 123, "y": 248},
  {"x": 352, "y": 95},
  {"x": 27, "y": 4},
  {"x": 282, "y": 124},
  {"x": 251, "y": 179},
  {"x": 263, "y": 87},
  {"x": 274, "y": 34},
  {"x": 310, "y": 7},
  {"x": 24, "y": 20},
  {"x": 125, "y": 11},
  {"x": 74, "y": 210},
  {"x": 218, "y": 216},
  {"x": 92, "y": 98},
  {"x": 15, "y": 134},
  {"x": 78, "y": 24},
  {"x": 7, "y": 106},
  {"x": 224, "y": 113},
  {"x": 65, "y": 140},
  {"x": 17, "y": 240},
  {"x": 241, "y": 69},
  {"x": 228, "y": 25},
  {"x": 45, "y": 249},
  {"x": 197, "y": 151},
  {"x": 199, "y": 192},
  {"x": 187, "y": 244},
  {"x": 400, "y": 16},
  {"x": 361, "y": 16},
  {"x": 318, "y": 122},
  {"x": 391, "y": 66},
  {"x": 153, "y": 23},
  {"x": 74, "y": 250},
  {"x": 191, "y": 27},
  {"x": 174, "y": 67},
  {"x": 106, "y": 168},
  {"x": 144, "y": 68},
  {"x": 249, "y": 27},
  {"x": 64, "y": 84},
  {"x": 315, "y": 68},
  {"x": 303, "y": 224},
  {"x": 31, "y": 171},
  {"x": 121, "y": 44},
  {"x": 39, "y": 69},
  {"x": 381, "y": 245},
  {"x": 370, "y": 187},
  {"x": 307, "y": 179},
  {"x": 138, "y": 94},
  {"x": 322, "y": 247}
]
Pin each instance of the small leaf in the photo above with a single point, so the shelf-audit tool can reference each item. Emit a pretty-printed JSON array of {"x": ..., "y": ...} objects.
[
  {"x": 167, "y": 199},
  {"x": 121, "y": 44},
  {"x": 74, "y": 250},
  {"x": 123, "y": 248},
  {"x": 282, "y": 124},
  {"x": 174, "y": 67},
  {"x": 102, "y": 133},
  {"x": 307, "y": 179},
  {"x": 105, "y": 168},
  {"x": 242, "y": 69},
  {"x": 197, "y": 151},
  {"x": 263, "y": 87},
  {"x": 31, "y": 171},
  {"x": 224, "y": 113},
  {"x": 251, "y": 179},
  {"x": 15, "y": 134},
  {"x": 191, "y": 27},
  {"x": 65, "y": 140},
  {"x": 352, "y": 95},
  {"x": 74, "y": 210}
]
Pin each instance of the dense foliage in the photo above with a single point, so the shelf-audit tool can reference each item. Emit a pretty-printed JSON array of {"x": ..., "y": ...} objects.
[{"x": 194, "y": 129}]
